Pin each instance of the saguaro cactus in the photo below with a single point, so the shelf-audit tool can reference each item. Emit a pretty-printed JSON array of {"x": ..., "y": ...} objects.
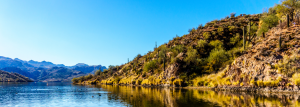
[
  {"x": 249, "y": 31},
  {"x": 279, "y": 42},
  {"x": 164, "y": 62},
  {"x": 157, "y": 55},
  {"x": 146, "y": 58},
  {"x": 244, "y": 38},
  {"x": 288, "y": 20}
]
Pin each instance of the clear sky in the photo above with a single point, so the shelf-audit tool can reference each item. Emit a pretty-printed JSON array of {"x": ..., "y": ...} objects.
[{"x": 105, "y": 32}]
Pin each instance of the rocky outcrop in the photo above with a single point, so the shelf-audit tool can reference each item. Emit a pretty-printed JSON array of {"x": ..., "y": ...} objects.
[{"x": 262, "y": 61}]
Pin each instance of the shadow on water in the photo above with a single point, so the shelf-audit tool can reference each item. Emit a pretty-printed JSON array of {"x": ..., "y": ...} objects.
[{"x": 174, "y": 97}]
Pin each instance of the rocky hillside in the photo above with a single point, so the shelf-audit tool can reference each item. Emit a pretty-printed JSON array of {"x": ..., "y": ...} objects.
[
  {"x": 273, "y": 62},
  {"x": 247, "y": 50},
  {"x": 13, "y": 77},
  {"x": 204, "y": 50}
]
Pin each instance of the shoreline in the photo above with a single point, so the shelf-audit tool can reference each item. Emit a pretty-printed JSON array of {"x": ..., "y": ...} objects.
[{"x": 226, "y": 89}]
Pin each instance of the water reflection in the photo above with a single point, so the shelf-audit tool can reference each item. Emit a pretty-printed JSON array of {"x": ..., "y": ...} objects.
[
  {"x": 54, "y": 95},
  {"x": 175, "y": 97},
  {"x": 66, "y": 95}
]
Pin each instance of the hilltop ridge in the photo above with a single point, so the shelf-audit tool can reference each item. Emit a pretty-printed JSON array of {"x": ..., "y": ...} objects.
[
  {"x": 254, "y": 51},
  {"x": 183, "y": 58}
]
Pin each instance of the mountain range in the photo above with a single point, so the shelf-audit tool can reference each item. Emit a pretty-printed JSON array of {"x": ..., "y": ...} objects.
[
  {"x": 13, "y": 77},
  {"x": 46, "y": 71}
]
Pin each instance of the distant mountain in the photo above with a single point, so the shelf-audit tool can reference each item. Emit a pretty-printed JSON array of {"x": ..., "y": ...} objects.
[
  {"x": 81, "y": 65},
  {"x": 13, "y": 77},
  {"x": 17, "y": 70},
  {"x": 8, "y": 62},
  {"x": 59, "y": 74},
  {"x": 46, "y": 71},
  {"x": 43, "y": 64}
]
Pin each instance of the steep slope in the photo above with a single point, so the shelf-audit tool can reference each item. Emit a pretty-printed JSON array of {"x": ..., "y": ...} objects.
[
  {"x": 204, "y": 50},
  {"x": 13, "y": 77},
  {"x": 266, "y": 64}
]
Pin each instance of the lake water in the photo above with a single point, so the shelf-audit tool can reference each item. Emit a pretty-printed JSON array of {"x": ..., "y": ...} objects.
[{"x": 68, "y": 95}]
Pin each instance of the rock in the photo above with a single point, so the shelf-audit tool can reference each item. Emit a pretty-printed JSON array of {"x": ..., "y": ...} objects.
[
  {"x": 267, "y": 89},
  {"x": 296, "y": 88}
]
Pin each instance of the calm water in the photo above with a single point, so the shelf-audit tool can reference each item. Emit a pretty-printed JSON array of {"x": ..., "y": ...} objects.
[{"x": 66, "y": 95}]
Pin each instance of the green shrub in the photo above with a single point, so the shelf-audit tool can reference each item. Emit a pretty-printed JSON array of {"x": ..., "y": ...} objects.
[
  {"x": 176, "y": 50},
  {"x": 212, "y": 84},
  {"x": 206, "y": 35},
  {"x": 279, "y": 79},
  {"x": 201, "y": 43},
  {"x": 116, "y": 80},
  {"x": 98, "y": 72},
  {"x": 217, "y": 58},
  {"x": 191, "y": 56},
  {"x": 213, "y": 32},
  {"x": 236, "y": 83},
  {"x": 260, "y": 83},
  {"x": 232, "y": 28},
  {"x": 267, "y": 83},
  {"x": 235, "y": 39},
  {"x": 89, "y": 76},
  {"x": 177, "y": 82},
  {"x": 296, "y": 79},
  {"x": 151, "y": 65},
  {"x": 174, "y": 60},
  {"x": 267, "y": 23},
  {"x": 75, "y": 80},
  {"x": 220, "y": 30},
  {"x": 105, "y": 70},
  {"x": 216, "y": 44},
  {"x": 288, "y": 65},
  {"x": 138, "y": 82},
  {"x": 192, "y": 30},
  {"x": 252, "y": 82},
  {"x": 242, "y": 84}
]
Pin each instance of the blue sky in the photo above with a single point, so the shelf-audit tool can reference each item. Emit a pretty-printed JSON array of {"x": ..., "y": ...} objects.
[{"x": 105, "y": 32}]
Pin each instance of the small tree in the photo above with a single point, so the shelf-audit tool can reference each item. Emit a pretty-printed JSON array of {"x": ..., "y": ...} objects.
[
  {"x": 232, "y": 15},
  {"x": 191, "y": 56},
  {"x": 267, "y": 23},
  {"x": 163, "y": 53},
  {"x": 74, "y": 80},
  {"x": 287, "y": 7},
  {"x": 97, "y": 72},
  {"x": 151, "y": 65}
]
